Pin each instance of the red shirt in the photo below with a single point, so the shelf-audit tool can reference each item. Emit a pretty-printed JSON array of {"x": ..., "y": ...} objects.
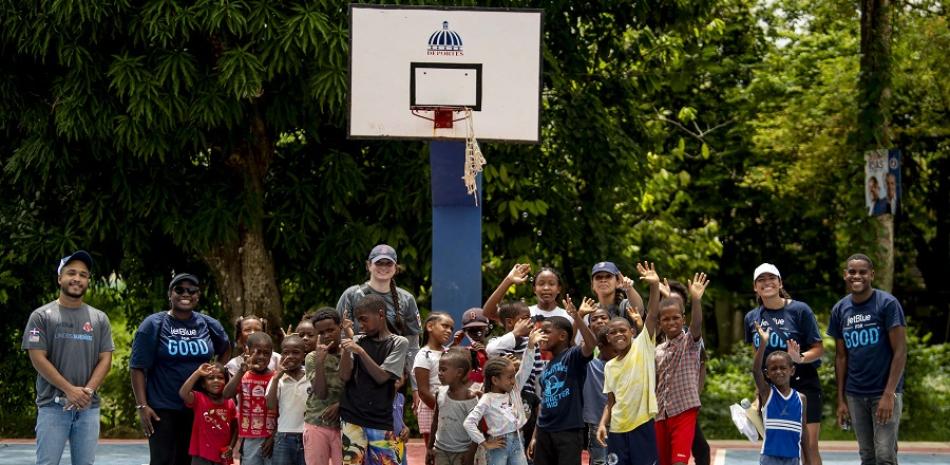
[
  {"x": 256, "y": 421},
  {"x": 480, "y": 356},
  {"x": 211, "y": 430}
]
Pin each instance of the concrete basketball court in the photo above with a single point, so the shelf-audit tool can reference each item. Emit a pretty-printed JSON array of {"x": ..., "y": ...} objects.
[{"x": 135, "y": 452}]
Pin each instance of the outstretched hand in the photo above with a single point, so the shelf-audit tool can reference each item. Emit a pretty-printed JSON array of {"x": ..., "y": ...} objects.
[
  {"x": 697, "y": 286},
  {"x": 519, "y": 273},
  {"x": 763, "y": 333},
  {"x": 795, "y": 351},
  {"x": 648, "y": 273},
  {"x": 624, "y": 283},
  {"x": 588, "y": 306}
]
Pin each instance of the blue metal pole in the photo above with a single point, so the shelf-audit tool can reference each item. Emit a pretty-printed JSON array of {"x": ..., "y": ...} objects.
[{"x": 456, "y": 233}]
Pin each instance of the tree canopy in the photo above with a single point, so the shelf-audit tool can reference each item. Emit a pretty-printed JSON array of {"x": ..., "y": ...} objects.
[{"x": 210, "y": 136}]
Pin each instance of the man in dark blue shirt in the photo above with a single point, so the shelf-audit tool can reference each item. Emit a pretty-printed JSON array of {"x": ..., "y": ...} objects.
[{"x": 870, "y": 353}]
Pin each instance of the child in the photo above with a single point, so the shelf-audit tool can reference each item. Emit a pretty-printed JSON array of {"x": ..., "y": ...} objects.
[
  {"x": 256, "y": 420},
  {"x": 437, "y": 332},
  {"x": 476, "y": 327},
  {"x": 370, "y": 365},
  {"x": 594, "y": 397},
  {"x": 287, "y": 396},
  {"x": 243, "y": 327},
  {"x": 783, "y": 408},
  {"x": 700, "y": 448},
  {"x": 559, "y": 432},
  {"x": 308, "y": 333},
  {"x": 518, "y": 323},
  {"x": 677, "y": 375},
  {"x": 214, "y": 430},
  {"x": 399, "y": 424},
  {"x": 547, "y": 288},
  {"x": 321, "y": 430},
  {"x": 630, "y": 384},
  {"x": 502, "y": 408},
  {"x": 450, "y": 443}
]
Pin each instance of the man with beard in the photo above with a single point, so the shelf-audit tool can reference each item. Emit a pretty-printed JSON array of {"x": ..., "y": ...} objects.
[
  {"x": 70, "y": 345},
  {"x": 870, "y": 353}
]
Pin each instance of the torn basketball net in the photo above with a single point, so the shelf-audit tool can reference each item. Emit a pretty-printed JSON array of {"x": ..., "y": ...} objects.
[{"x": 474, "y": 160}]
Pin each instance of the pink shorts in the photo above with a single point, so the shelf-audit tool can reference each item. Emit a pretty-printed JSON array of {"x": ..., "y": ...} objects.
[
  {"x": 424, "y": 417},
  {"x": 322, "y": 445}
]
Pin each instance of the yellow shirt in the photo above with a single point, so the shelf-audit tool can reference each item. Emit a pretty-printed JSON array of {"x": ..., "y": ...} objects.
[{"x": 632, "y": 380}]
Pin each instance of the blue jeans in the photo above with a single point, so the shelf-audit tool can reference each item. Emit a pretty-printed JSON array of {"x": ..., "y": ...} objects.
[
  {"x": 54, "y": 426},
  {"x": 598, "y": 453},
  {"x": 252, "y": 452},
  {"x": 288, "y": 449},
  {"x": 877, "y": 443},
  {"x": 511, "y": 454}
]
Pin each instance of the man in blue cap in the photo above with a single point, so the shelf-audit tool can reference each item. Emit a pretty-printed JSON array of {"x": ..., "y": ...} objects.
[{"x": 70, "y": 345}]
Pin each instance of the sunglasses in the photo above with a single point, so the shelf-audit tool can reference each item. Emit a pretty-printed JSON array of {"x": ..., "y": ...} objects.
[{"x": 180, "y": 290}]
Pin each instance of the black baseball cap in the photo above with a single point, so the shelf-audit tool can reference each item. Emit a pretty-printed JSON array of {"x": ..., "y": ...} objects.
[
  {"x": 184, "y": 277},
  {"x": 80, "y": 255}
]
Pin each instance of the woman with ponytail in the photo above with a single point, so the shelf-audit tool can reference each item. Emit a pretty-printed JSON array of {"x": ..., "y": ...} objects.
[
  {"x": 793, "y": 328},
  {"x": 402, "y": 314}
]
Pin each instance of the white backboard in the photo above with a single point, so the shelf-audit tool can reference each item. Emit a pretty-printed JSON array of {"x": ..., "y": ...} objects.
[{"x": 488, "y": 60}]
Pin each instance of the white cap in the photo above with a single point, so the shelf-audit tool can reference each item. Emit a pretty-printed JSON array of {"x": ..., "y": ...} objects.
[{"x": 765, "y": 268}]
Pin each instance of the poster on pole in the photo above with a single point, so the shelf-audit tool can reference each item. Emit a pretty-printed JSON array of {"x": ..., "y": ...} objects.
[{"x": 882, "y": 181}]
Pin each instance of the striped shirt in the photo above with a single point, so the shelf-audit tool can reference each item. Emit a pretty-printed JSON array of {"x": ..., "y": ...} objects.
[{"x": 782, "y": 416}]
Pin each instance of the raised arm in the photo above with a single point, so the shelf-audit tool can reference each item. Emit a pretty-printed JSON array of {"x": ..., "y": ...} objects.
[
  {"x": 318, "y": 384},
  {"x": 633, "y": 297},
  {"x": 517, "y": 275},
  {"x": 648, "y": 273},
  {"x": 580, "y": 323},
  {"x": 697, "y": 286},
  {"x": 761, "y": 385},
  {"x": 527, "y": 358},
  {"x": 271, "y": 395},
  {"x": 186, "y": 392}
]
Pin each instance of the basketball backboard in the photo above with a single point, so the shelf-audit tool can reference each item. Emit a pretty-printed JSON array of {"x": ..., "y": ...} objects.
[{"x": 407, "y": 61}]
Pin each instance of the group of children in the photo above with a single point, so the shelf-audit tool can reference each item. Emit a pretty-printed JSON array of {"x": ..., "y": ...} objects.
[{"x": 560, "y": 379}]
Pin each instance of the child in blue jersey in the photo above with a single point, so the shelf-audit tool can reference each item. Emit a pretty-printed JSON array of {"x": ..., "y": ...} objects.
[{"x": 783, "y": 408}]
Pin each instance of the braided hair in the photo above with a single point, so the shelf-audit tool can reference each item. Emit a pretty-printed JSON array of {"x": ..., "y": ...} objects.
[
  {"x": 433, "y": 316},
  {"x": 495, "y": 366},
  {"x": 400, "y": 325},
  {"x": 239, "y": 326}
]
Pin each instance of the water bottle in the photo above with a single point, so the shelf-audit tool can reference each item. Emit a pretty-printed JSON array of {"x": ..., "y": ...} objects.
[
  {"x": 846, "y": 425},
  {"x": 745, "y": 404}
]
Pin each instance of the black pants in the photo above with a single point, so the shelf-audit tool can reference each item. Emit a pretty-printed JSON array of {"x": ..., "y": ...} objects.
[
  {"x": 168, "y": 445},
  {"x": 700, "y": 446},
  {"x": 559, "y": 448}
]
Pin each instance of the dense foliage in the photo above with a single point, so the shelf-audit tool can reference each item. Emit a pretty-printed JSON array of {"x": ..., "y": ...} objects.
[{"x": 209, "y": 136}]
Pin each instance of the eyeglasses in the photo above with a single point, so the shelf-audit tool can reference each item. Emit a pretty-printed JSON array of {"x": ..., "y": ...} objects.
[{"x": 180, "y": 290}]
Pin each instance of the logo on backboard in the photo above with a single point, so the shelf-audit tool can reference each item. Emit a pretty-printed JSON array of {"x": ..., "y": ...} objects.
[{"x": 445, "y": 42}]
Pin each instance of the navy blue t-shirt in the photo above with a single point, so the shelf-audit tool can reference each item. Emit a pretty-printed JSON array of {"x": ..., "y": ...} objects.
[
  {"x": 562, "y": 383},
  {"x": 864, "y": 329},
  {"x": 797, "y": 322},
  {"x": 170, "y": 350}
]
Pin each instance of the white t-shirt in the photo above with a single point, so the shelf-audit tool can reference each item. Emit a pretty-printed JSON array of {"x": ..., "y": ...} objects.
[
  {"x": 429, "y": 359},
  {"x": 234, "y": 364},
  {"x": 291, "y": 403},
  {"x": 558, "y": 311}
]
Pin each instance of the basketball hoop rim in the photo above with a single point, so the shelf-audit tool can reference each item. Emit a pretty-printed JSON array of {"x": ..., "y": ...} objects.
[{"x": 414, "y": 109}]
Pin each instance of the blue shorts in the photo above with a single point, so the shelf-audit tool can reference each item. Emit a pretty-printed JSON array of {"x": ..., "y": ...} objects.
[{"x": 635, "y": 447}]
